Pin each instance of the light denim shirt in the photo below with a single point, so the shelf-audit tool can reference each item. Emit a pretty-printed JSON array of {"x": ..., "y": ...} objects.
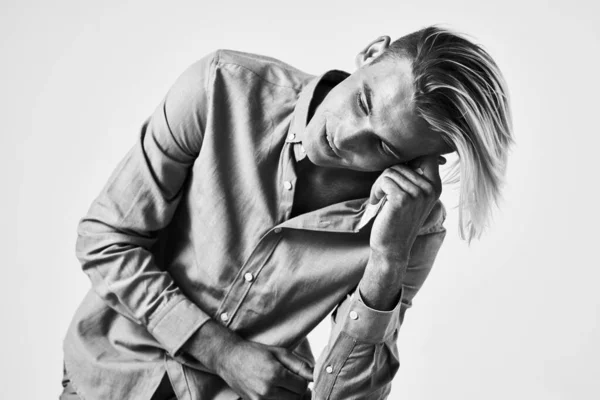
[{"x": 194, "y": 223}]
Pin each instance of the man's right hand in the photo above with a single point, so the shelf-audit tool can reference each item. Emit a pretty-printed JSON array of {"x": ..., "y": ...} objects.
[
  {"x": 253, "y": 370},
  {"x": 256, "y": 371}
]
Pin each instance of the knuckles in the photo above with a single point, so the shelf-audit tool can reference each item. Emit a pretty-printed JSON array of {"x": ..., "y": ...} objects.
[
  {"x": 428, "y": 189},
  {"x": 399, "y": 198}
]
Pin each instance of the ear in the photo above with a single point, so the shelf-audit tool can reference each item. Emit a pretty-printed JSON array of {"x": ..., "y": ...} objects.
[{"x": 372, "y": 51}]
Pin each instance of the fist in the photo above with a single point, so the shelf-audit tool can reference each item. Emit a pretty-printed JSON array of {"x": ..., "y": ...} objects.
[
  {"x": 410, "y": 193},
  {"x": 256, "y": 371}
]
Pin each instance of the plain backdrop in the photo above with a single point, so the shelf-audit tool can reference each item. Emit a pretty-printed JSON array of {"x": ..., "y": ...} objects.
[{"x": 513, "y": 316}]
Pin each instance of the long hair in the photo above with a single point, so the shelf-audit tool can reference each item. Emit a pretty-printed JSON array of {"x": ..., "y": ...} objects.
[{"x": 460, "y": 92}]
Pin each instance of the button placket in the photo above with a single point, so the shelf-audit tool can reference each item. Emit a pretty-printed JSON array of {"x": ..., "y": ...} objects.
[
  {"x": 242, "y": 285},
  {"x": 288, "y": 181}
]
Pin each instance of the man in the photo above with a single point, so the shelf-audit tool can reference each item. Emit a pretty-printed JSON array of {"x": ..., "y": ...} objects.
[{"x": 258, "y": 199}]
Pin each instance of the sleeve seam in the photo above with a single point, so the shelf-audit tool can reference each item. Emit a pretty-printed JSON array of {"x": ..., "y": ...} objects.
[
  {"x": 339, "y": 369},
  {"x": 162, "y": 312},
  {"x": 177, "y": 348},
  {"x": 262, "y": 78}
]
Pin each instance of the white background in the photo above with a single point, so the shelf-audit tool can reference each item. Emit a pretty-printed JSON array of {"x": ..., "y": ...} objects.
[{"x": 513, "y": 316}]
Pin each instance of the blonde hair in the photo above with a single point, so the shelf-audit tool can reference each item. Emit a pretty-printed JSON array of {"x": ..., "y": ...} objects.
[{"x": 461, "y": 93}]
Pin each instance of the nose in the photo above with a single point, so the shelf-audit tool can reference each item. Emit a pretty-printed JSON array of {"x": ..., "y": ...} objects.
[{"x": 350, "y": 141}]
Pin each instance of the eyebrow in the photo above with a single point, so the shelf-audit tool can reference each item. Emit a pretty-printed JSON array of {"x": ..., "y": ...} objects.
[{"x": 369, "y": 97}]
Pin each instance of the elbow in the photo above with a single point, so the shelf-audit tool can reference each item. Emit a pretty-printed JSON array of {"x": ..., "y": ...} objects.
[
  {"x": 100, "y": 243},
  {"x": 93, "y": 237}
]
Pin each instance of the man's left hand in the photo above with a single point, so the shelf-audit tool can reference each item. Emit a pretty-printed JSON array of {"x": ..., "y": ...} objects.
[{"x": 411, "y": 192}]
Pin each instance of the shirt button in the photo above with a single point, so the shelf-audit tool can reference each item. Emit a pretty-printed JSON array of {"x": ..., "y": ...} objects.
[
  {"x": 292, "y": 136},
  {"x": 329, "y": 369},
  {"x": 353, "y": 315},
  {"x": 287, "y": 185},
  {"x": 277, "y": 230},
  {"x": 248, "y": 277},
  {"x": 224, "y": 317}
]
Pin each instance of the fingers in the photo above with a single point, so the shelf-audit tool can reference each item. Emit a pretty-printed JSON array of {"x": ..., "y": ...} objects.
[
  {"x": 292, "y": 382},
  {"x": 419, "y": 176},
  {"x": 297, "y": 372},
  {"x": 415, "y": 179},
  {"x": 383, "y": 186},
  {"x": 295, "y": 364},
  {"x": 377, "y": 192},
  {"x": 400, "y": 180},
  {"x": 430, "y": 167}
]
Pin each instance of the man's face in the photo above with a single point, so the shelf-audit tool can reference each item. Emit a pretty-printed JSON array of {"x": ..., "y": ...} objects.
[{"x": 367, "y": 122}]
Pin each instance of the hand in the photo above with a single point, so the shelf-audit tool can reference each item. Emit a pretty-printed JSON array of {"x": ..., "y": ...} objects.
[
  {"x": 411, "y": 192},
  {"x": 256, "y": 371}
]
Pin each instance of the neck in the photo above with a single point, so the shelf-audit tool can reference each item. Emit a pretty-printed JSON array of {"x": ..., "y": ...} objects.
[
  {"x": 322, "y": 186},
  {"x": 334, "y": 184}
]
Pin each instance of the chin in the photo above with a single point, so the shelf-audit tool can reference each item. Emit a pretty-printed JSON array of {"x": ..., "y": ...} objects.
[{"x": 317, "y": 159}]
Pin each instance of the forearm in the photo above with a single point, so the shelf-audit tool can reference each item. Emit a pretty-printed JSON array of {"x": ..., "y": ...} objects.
[
  {"x": 361, "y": 358},
  {"x": 381, "y": 284},
  {"x": 362, "y": 352},
  {"x": 251, "y": 369},
  {"x": 117, "y": 237},
  {"x": 209, "y": 343}
]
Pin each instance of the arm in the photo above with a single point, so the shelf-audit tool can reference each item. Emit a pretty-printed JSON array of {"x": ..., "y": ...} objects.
[
  {"x": 116, "y": 236},
  {"x": 361, "y": 357}
]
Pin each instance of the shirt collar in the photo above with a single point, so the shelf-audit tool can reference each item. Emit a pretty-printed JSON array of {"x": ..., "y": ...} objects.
[
  {"x": 362, "y": 211},
  {"x": 300, "y": 114}
]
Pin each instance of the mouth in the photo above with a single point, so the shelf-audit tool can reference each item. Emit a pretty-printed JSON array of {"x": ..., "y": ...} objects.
[{"x": 328, "y": 145}]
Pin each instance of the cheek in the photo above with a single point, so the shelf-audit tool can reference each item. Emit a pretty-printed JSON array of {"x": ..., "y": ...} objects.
[
  {"x": 339, "y": 103},
  {"x": 369, "y": 163},
  {"x": 379, "y": 164}
]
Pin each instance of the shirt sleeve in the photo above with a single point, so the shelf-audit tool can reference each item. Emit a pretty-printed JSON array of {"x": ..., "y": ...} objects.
[
  {"x": 361, "y": 357},
  {"x": 115, "y": 238}
]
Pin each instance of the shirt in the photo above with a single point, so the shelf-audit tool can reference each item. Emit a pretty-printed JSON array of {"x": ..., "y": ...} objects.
[{"x": 194, "y": 224}]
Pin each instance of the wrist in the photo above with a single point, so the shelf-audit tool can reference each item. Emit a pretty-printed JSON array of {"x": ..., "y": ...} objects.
[
  {"x": 224, "y": 345},
  {"x": 385, "y": 260},
  {"x": 210, "y": 343},
  {"x": 382, "y": 280}
]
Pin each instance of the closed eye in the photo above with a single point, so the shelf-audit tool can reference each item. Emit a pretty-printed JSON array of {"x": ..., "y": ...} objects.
[
  {"x": 361, "y": 103},
  {"x": 386, "y": 149}
]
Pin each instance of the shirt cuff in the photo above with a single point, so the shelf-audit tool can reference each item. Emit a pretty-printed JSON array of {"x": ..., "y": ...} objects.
[
  {"x": 367, "y": 324},
  {"x": 176, "y": 323}
]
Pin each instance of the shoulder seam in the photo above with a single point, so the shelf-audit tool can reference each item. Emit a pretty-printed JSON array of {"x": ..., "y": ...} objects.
[{"x": 224, "y": 63}]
